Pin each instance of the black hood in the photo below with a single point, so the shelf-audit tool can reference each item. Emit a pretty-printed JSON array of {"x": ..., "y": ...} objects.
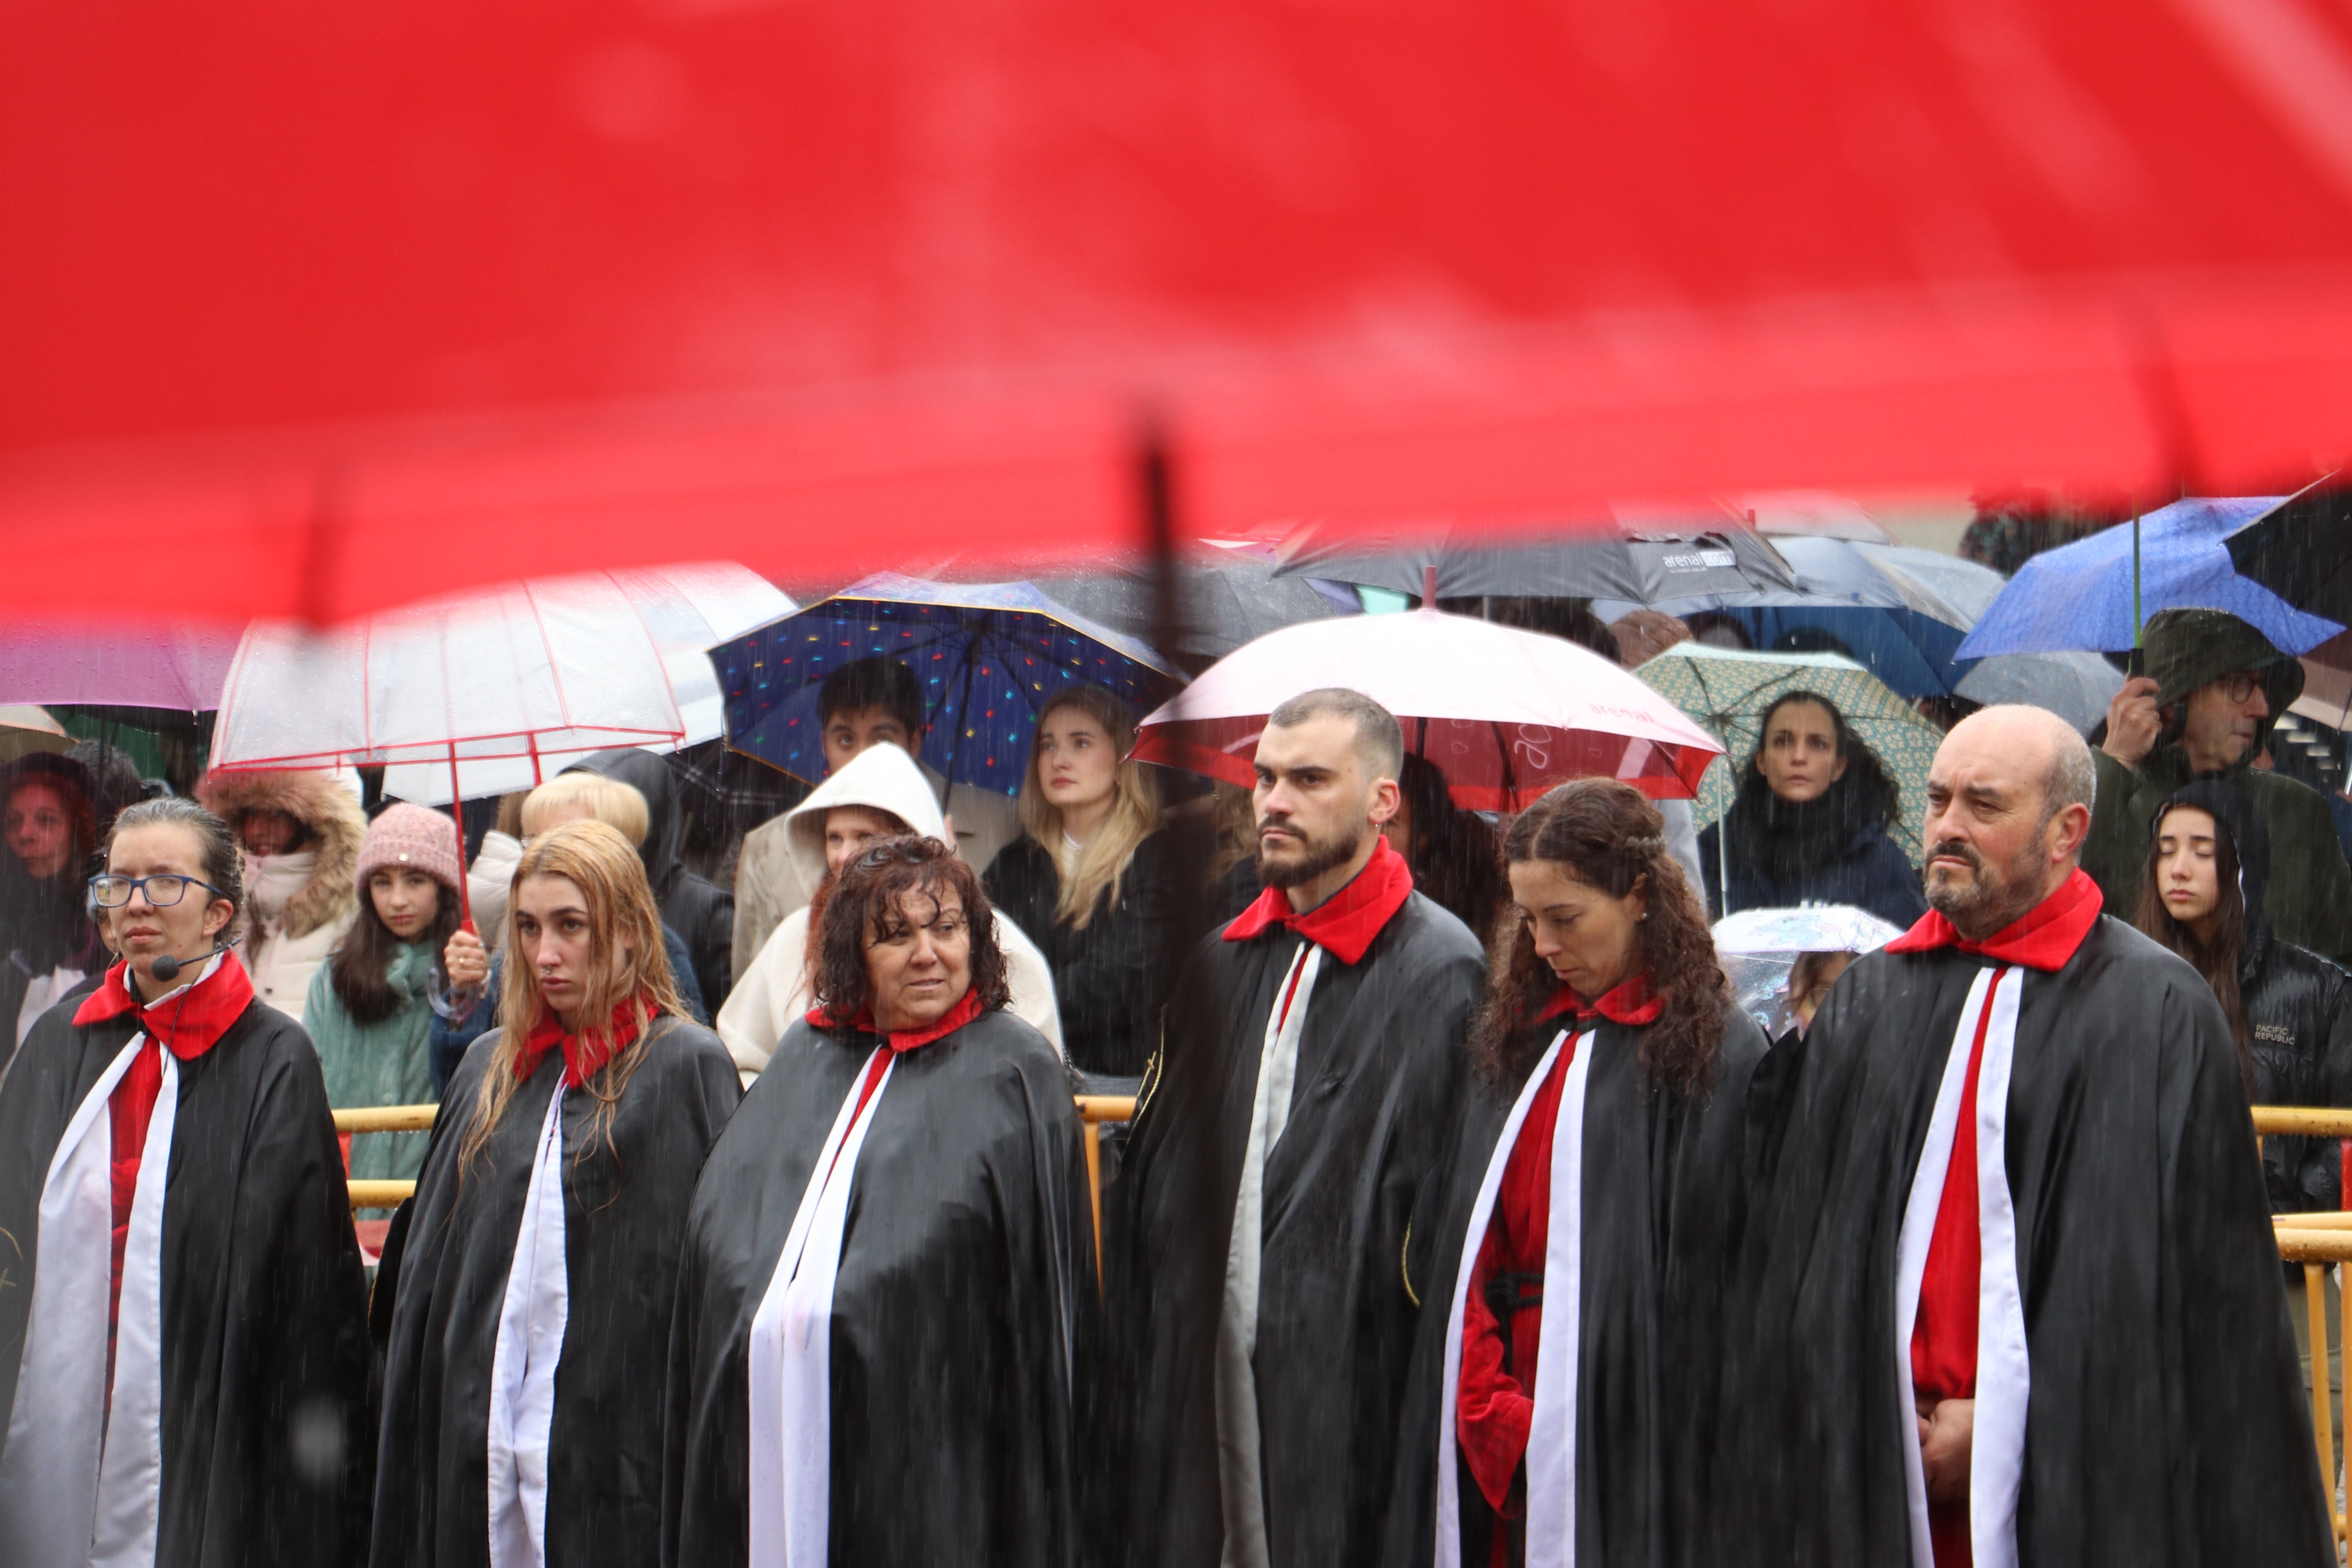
[
  {"x": 2234, "y": 815},
  {"x": 650, "y": 776}
]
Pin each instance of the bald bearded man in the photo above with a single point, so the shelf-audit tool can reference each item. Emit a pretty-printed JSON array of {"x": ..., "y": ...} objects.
[{"x": 2014, "y": 1286}]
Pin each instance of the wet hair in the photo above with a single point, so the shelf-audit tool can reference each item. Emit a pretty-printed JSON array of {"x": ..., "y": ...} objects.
[
  {"x": 1865, "y": 792},
  {"x": 630, "y": 966},
  {"x": 2218, "y": 960},
  {"x": 869, "y": 894},
  {"x": 876, "y": 682},
  {"x": 70, "y": 793},
  {"x": 608, "y": 800},
  {"x": 1608, "y": 836},
  {"x": 1379, "y": 740},
  {"x": 1091, "y": 876},
  {"x": 216, "y": 847},
  {"x": 361, "y": 963}
]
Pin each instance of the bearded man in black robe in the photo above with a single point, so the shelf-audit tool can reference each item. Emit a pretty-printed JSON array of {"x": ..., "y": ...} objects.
[
  {"x": 1310, "y": 1073},
  {"x": 2014, "y": 1291}
]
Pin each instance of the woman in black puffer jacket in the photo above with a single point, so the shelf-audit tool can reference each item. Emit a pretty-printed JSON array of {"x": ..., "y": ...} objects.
[{"x": 2208, "y": 866}]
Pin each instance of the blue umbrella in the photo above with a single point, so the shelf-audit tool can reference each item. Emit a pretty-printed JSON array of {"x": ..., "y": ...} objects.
[
  {"x": 2082, "y": 595},
  {"x": 986, "y": 654}
]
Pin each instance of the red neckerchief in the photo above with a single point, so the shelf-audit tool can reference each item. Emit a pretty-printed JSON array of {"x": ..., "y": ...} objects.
[
  {"x": 581, "y": 1060},
  {"x": 2044, "y": 938},
  {"x": 946, "y": 1024},
  {"x": 1630, "y": 1002},
  {"x": 1346, "y": 922},
  {"x": 188, "y": 1024}
]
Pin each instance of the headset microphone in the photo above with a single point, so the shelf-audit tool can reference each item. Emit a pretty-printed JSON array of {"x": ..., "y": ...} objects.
[{"x": 167, "y": 968}]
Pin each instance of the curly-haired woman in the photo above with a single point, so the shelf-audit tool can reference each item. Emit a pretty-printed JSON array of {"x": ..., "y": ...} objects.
[
  {"x": 528, "y": 1287},
  {"x": 884, "y": 1306},
  {"x": 1809, "y": 823},
  {"x": 1590, "y": 1215}
]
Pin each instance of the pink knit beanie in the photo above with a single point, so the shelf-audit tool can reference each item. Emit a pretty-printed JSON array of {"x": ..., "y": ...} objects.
[{"x": 414, "y": 836}]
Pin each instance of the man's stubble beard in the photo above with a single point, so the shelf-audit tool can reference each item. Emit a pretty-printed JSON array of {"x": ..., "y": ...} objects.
[
  {"x": 1315, "y": 858},
  {"x": 1990, "y": 902}
]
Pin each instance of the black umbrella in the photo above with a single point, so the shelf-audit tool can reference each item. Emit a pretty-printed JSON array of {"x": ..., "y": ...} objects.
[
  {"x": 2301, "y": 550},
  {"x": 1641, "y": 563}
]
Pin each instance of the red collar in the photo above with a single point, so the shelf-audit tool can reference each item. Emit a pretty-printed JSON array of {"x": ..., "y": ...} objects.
[
  {"x": 2044, "y": 938},
  {"x": 1348, "y": 920},
  {"x": 583, "y": 1059},
  {"x": 188, "y": 1024},
  {"x": 946, "y": 1024},
  {"x": 1630, "y": 1004}
]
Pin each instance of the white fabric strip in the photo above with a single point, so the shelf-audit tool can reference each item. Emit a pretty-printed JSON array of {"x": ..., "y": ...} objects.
[
  {"x": 1997, "y": 1454},
  {"x": 1551, "y": 1433},
  {"x": 523, "y": 1367},
  {"x": 130, "y": 1478},
  {"x": 790, "y": 1359},
  {"x": 49, "y": 1473},
  {"x": 1241, "y": 1478},
  {"x": 1482, "y": 1215}
]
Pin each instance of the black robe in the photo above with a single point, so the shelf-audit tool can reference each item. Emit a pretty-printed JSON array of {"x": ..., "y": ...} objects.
[
  {"x": 2165, "y": 1424},
  {"x": 1381, "y": 1066},
  {"x": 625, "y": 1206},
  {"x": 1665, "y": 1195},
  {"x": 963, "y": 1311},
  {"x": 268, "y": 1424}
]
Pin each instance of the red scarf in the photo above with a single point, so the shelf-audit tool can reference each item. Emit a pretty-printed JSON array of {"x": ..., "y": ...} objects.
[
  {"x": 189, "y": 1024},
  {"x": 583, "y": 1059},
  {"x": 2045, "y": 938},
  {"x": 1346, "y": 922},
  {"x": 946, "y": 1024},
  {"x": 1630, "y": 1002}
]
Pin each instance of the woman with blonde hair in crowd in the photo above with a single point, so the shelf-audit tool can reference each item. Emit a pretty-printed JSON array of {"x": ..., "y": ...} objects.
[
  {"x": 1094, "y": 880},
  {"x": 526, "y": 1291}
]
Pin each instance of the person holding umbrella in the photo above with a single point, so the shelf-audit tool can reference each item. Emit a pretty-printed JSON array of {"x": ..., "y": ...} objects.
[
  {"x": 1809, "y": 823},
  {"x": 1612, "y": 1073},
  {"x": 2214, "y": 687}
]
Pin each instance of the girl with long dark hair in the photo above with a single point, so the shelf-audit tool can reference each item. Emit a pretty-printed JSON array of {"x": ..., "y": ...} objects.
[
  {"x": 526, "y": 1291},
  {"x": 369, "y": 1010},
  {"x": 1567, "y": 1360},
  {"x": 2290, "y": 1010},
  {"x": 1810, "y": 824}
]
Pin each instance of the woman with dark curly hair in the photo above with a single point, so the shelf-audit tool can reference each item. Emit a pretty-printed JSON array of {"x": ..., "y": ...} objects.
[
  {"x": 885, "y": 1305},
  {"x": 1810, "y": 824},
  {"x": 1591, "y": 1213}
]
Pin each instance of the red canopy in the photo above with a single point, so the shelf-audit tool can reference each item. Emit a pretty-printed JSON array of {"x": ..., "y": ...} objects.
[{"x": 330, "y": 306}]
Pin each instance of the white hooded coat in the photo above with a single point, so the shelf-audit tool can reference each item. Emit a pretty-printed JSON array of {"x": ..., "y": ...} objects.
[{"x": 773, "y": 992}]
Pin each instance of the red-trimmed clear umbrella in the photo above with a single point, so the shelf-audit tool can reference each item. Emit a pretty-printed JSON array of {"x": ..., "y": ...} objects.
[{"x": 1505, "y": 713}]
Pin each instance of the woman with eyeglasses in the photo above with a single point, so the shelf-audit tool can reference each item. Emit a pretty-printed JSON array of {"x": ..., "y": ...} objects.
[
  {"x": 183, "y": 1356},
  {"x": 525, "y": 1291},
  {"x": 884, "y": 1312},
  {"x": 48, "y": 945}
]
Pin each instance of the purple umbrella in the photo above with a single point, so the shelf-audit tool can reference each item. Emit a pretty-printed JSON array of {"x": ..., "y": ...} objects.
[{"x": 134, "y": 660}]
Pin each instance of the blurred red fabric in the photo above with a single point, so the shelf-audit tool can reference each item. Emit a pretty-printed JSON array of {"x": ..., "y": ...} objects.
[{"x": 364, "y": 301}]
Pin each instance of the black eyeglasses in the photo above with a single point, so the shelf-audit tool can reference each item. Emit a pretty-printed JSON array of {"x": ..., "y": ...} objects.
[
  {"x": 163, "y": 890},
  {"x": 2239, "y": 684}
]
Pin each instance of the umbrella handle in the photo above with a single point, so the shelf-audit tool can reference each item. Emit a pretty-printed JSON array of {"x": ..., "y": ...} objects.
[{"x": 457, "y": 815}]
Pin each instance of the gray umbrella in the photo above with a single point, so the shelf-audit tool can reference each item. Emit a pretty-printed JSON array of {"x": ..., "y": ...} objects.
[{"x": 1644, "y": 562}]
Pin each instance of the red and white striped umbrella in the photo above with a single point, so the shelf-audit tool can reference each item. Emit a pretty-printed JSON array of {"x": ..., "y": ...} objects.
[{"x": 1506, "y": 713}]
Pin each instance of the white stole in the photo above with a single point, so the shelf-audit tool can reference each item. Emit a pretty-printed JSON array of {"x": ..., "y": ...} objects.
[
  {"x": 1241, "y": 1478},
  {"x": 78, "y": 1485},
  {"x": 1551, "y": 1433},
  {"x": 789, "y": 1449},
  {"x": 2004, "y": 1378},
  {"x": 529, "y": 1346}
]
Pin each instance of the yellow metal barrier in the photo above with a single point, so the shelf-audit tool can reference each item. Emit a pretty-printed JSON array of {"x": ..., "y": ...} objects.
[
  {"x": 1094, "y": 1110},
  {"x": 2316, "y": 1240},
  {"x": 2301, "y": 1122}
]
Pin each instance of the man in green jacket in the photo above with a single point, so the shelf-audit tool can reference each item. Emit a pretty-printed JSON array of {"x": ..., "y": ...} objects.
[{"x": 2214, "y": 687}]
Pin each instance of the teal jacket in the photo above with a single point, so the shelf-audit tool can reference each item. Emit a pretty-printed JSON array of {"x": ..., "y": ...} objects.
[{"x": 386, "y": 1063}]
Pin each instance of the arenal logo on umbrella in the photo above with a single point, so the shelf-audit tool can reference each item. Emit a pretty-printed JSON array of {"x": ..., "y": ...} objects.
[{"x": 1699, "y": 561}]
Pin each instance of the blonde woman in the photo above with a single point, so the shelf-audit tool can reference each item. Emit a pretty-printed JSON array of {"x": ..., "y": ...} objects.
[
  {"x": 529, "y": 1281},
  {"x": 1093, "y": 880}
]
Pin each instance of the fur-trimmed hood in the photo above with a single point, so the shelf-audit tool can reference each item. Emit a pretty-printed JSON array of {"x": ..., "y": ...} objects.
[{"x": 317, "y": 801}]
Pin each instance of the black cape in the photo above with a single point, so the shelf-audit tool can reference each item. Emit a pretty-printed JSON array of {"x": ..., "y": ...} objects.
[
  {"x": 1665, "y": 1195},
  {"x": 268, "y": 1424},
  {"x": 1381, "y": 1066},
  {"x": 963, "y": 1311},
  {"x": 2165, "y": 1425},
  {"x": 623, "y": 1210}
]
